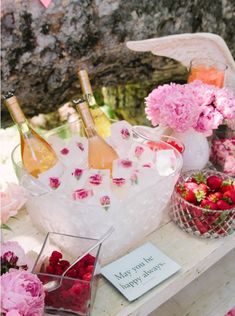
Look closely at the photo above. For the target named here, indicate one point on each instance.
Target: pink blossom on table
(64, 151)
(125, 133)
(81, 194)
(126, 163)
(139, 151)
(105, 201)
(54, 182)
(80, 146)
(13, 256)
(231, 312)
(96, 179)
(77, 173)
(12, 199)
(22, 292)
(119, 181)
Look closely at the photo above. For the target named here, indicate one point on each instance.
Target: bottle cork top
(14, 108)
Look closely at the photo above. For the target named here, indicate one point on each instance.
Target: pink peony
(12, 199)
(22, 292)
(197, 105)
(119, 182)
(95, 179)
(139, 151)
(105, 202)
(13, 256)
(64, 151)
(125, 133)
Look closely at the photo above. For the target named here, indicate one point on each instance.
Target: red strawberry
(195, 212)
(223, 205)
(226, 186)
(203, 227)
(229, 196)
(214, 197)
(203, 187)
(189, 196)
(214, 182)
(191, 185)
(87, 276)
(207, 204)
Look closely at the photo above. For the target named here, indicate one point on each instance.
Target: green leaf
(5, 226)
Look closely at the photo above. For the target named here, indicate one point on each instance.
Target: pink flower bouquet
(196, 105)
(22, 294)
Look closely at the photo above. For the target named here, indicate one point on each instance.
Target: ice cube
(98, 179)
(166, 162)
(141, 153)
(121, 137)
(123, 168)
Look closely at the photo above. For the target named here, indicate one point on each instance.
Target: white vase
(197, 150)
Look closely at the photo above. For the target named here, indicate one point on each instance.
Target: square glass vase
(77, 292)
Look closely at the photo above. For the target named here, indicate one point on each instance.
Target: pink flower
(64, 151)
(125, 133)
(95, 179)
(54, 182)
(231, 312)
(77, 173)
(13, 256)
(12, 199)
(139, 151)
(197, 105)
(22, 292)
(134, 178)
(13, 312)
(80, 146)
(119, 181)
(82, 194)
(125, 163)
(105, 202)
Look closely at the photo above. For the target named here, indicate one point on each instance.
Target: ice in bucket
(86, 202)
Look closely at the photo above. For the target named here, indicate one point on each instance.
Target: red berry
(191, 186)
(203, 227)
(64, 263)
(223, 205)
(72, 273)
(214, 182)
(195, 212)
(89, 259)
(207, 204)
(229, 196)
(214, 197)
(203, 187)
(226, 186)
(50, 269)
(90, 268)
(199, 178)
(87, 276)
(189, 196)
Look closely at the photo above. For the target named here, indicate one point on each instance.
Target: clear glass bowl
(136, 209)
(197, 220)
(77, 292)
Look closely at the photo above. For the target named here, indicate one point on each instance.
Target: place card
(139, 271)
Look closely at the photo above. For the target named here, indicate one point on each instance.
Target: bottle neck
(85, 114)
(15, 110)
(86, 88)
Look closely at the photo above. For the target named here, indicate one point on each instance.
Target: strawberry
(204, 188)
(195, 212)
(226, 186)
(191, 185)
(203, 227)
(214, 197)
(223, 205)
(229, 196)
(214, 182)
(199, 178)
(189, 196)
(207, 204)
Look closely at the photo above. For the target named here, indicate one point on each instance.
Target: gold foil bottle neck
(85, 114)
(85, 82)
(15, 110)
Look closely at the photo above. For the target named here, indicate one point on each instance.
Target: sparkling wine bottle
(101, 120)
(37, 155)
(100, 154)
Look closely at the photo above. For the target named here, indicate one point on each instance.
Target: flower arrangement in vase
(192, 111)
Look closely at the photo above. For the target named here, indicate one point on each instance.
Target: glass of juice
(208, 71)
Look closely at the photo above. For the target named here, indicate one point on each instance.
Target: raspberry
(50, 269)
(64, 263)
(89, 259)
(55, 257)
(72, 273)
(87, 276)
(90, 268)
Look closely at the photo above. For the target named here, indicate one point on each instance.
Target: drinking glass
(208, 71)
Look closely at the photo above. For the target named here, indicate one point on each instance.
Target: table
(195, 255)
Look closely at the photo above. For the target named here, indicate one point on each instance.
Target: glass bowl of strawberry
(76, 294)
(203, 203)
